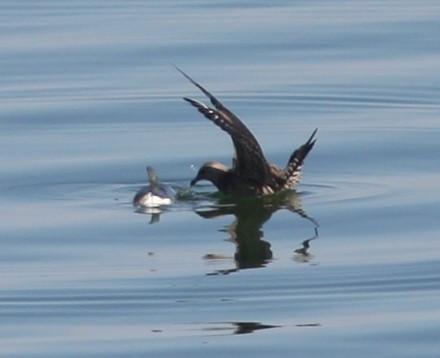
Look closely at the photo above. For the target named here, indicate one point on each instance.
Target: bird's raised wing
(153, 177)
(250, 164)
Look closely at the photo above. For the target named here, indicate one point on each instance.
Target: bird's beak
(194, 181)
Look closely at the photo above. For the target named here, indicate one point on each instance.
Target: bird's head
(214, 172)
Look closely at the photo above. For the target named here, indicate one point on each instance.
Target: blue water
(348, 265)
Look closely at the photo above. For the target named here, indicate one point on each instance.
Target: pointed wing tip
(311, 141)
(186, 76)
(208, 94)
(195, 103)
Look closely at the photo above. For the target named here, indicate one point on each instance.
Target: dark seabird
(251, 174)
(155, 194)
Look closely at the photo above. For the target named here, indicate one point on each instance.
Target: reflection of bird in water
(236, 327)
(302, 254)
(246, 230)
(150, 198)
(250, 327)
(250, 174)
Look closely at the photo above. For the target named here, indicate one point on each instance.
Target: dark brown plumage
(251, 174)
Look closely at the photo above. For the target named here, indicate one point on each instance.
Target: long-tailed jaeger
(250, 174)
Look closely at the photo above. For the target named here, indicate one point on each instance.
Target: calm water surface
(348, 265)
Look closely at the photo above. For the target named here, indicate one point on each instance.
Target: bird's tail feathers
(292, 172)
